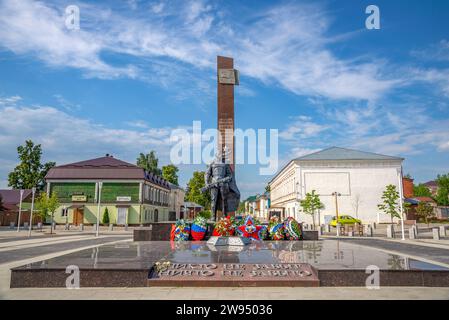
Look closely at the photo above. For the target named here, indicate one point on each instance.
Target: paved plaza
(16, 249)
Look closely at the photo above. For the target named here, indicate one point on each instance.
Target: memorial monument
(220, 175)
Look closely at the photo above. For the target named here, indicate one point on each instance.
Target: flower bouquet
(199, 227)
(292, 229)
(276, 228)
(224, 227)
(182, 231)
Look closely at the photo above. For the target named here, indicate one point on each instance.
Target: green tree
(149, 162)
(105, 219)
(311, 204)
(170, 173)
(241, 207)
(389, 203)
(193, 192)
(421, 190)
(206, 214)
(424, 210)
(267, 188)
(47, 206)
(442, 197)
(30, 172)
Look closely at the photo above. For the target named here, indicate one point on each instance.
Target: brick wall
(408, 187)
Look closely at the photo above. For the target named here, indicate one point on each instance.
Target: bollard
(328, 228)
(321, 230)
(436, 233)
(338, 229)
(411, 233)
(81, 227)
(415, 230)
(442, 231)
(12, 225)
(390, 231)
(126, 227)
(25, 225)
(369, 231)
(374, 225)
(350, 233)
(111, 227)
(39, 226)
(67, 226)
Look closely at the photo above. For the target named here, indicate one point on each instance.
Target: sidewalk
(6, 234)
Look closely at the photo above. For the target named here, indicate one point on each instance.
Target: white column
(401, 198)
(33, 190)
(20, 209)
(100, 185)
(140, 191)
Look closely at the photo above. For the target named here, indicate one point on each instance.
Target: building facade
(261, 207)
(131, 195)
(191, 209)
(11, 203)
(176, 204)
(351, 180)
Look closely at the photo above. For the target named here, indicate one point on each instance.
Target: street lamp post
(400, 202)
(33, 190)
(20, 209)
(100, 185)
(336, 194)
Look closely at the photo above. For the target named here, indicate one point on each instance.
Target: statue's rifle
(216, 184)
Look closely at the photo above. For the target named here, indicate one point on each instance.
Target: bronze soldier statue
(220, 180)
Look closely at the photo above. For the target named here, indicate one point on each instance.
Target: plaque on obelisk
(227, 78)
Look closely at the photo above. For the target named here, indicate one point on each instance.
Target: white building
(176, 202)
(261, 207)
(359, 179)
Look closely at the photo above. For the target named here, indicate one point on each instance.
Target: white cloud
(438, 77)
(33, 28)
(401, 128)
(439, 51)
(302, 128)
(285, 45)
(66, 138)
(158, 7)
(63, 102)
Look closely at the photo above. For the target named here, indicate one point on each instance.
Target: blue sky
(136, 70)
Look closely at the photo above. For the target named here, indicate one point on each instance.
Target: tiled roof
(424, 199)
(102, 162)
(337, 153)
(107, 168)
(188, 204)
(431, 183)
(13, 196)
(251, 199)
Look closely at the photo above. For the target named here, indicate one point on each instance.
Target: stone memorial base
(259, 263)
(235, 275)
(228, 241)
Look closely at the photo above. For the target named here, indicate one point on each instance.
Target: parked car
(344, 219)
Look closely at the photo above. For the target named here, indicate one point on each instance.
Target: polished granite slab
(129, 264)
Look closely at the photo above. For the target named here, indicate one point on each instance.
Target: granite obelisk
(227, 78)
